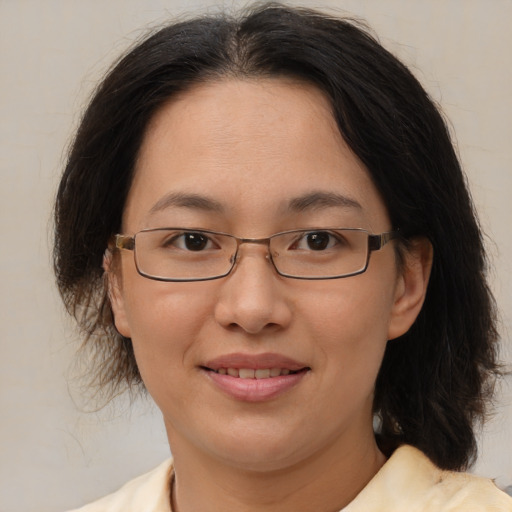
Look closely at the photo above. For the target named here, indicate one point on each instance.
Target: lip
(255, 361)
(254, 390)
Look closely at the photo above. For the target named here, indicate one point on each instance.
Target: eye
(190, 241)
(317, 241)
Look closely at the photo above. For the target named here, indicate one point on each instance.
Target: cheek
(164, 320)
(350, 326)
(351, 308)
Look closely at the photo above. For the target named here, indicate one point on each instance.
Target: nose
(253, 296)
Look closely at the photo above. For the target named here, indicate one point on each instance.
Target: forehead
(228, 118)
(251, 147)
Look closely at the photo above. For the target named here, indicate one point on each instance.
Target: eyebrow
(186, 200)
(310, 201)
(319, 200)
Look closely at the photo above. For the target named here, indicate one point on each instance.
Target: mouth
(255, 378)
(255, 373)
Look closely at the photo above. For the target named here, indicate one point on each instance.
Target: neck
(327, 481)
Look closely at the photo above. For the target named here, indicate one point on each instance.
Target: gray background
(55, 451)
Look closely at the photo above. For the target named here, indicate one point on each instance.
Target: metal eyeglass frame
(375, 243)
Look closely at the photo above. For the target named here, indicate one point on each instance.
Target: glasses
(180, 254)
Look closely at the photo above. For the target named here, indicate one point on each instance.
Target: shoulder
(409, 482)
(149, 492)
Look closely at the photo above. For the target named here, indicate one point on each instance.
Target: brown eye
(318, 241)
(195, 241)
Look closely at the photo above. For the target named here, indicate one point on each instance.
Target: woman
(263, 222)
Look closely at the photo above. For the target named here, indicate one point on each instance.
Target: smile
(255, 378)
(251, 373)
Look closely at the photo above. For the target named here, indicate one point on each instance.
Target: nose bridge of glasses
(251, 241)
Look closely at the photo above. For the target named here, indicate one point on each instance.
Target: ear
(114, 283)
(411, 286)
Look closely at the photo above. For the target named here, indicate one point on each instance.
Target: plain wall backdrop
(55, 453)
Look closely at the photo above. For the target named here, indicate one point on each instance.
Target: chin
(263, 449)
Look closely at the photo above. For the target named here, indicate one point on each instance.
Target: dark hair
(435, 379)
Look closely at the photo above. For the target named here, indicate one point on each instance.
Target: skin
(253, 146)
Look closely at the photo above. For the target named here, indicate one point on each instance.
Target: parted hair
(435, 380)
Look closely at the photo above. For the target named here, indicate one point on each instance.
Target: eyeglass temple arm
(377, 242)
(125, 242)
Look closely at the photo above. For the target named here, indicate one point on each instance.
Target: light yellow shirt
(408, 482)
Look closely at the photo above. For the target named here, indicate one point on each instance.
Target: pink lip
(255, 361)
(255, 390)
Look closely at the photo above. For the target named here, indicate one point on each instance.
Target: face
(262, 156)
